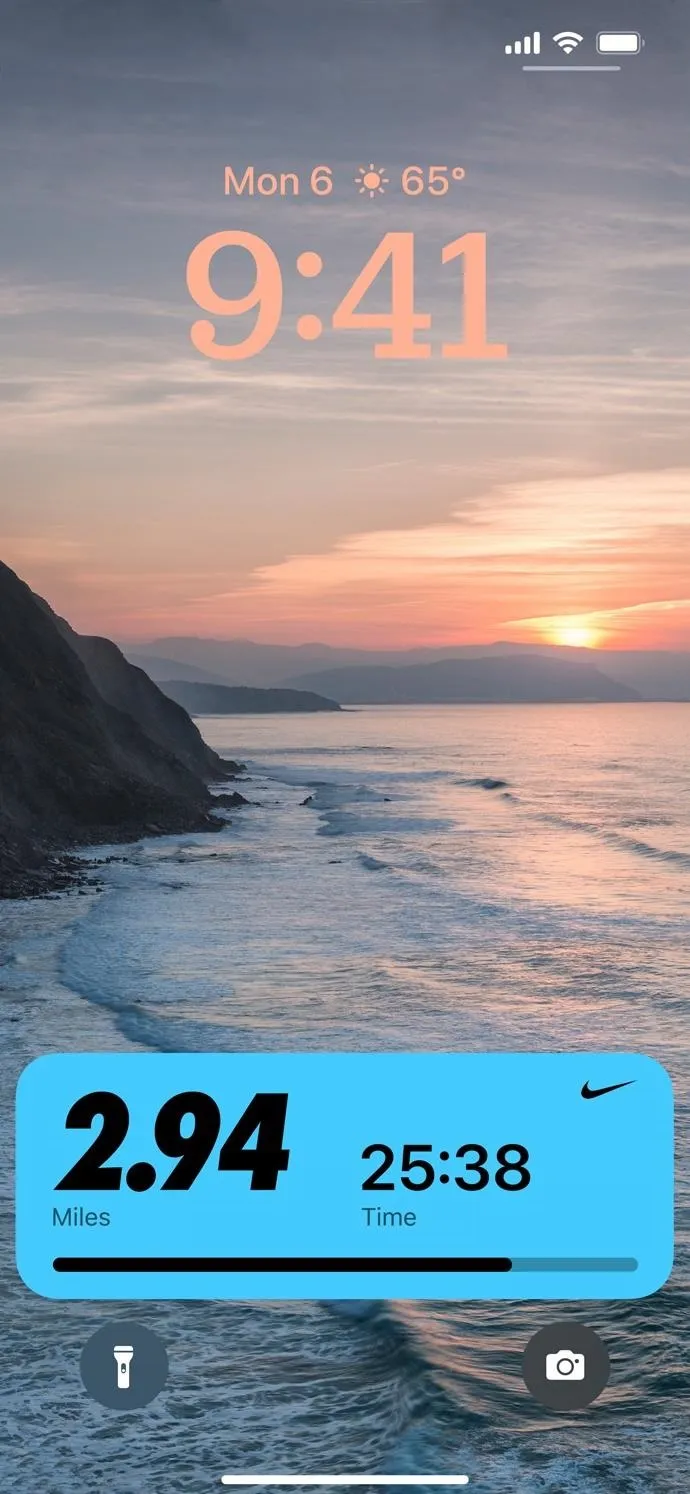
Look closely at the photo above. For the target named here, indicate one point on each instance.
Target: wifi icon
(568, 41)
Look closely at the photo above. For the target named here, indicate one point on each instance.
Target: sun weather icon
(371, 179)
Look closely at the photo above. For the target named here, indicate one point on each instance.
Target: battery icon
(619, 43)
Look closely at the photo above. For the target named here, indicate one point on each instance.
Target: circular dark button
(566, 1366)
(124, 1365)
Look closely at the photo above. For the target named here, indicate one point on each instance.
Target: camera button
(566, 1366)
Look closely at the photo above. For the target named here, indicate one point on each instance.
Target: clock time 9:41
(403, 322)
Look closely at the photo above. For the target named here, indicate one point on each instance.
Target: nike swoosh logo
(593, 1094)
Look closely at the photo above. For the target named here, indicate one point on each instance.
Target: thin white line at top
(572, 67)
(455, 1479)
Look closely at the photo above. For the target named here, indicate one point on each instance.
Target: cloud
(25, 299)
(612, 547)
(56, 402)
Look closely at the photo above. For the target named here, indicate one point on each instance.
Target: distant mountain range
(360, 676)
(161, 669)
(237, 700)
(524, 678)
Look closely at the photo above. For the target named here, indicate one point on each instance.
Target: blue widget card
(444, 1175)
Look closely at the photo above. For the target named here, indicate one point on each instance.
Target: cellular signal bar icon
(530, 46)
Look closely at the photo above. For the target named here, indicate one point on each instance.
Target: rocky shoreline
(31, 871)
(56, 874)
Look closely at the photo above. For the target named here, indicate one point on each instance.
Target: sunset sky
(314, 492)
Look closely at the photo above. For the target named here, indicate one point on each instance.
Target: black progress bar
(239, 1263)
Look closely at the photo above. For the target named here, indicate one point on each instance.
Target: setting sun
(575, 635)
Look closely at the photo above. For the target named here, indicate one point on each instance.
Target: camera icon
(566, 1379)
(565, 1365)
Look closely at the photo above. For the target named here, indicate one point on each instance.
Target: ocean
(488, 877)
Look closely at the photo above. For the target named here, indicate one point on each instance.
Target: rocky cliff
(90, 750)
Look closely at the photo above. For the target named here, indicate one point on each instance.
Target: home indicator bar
(402, 1480)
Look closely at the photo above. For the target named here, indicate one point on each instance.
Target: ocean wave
(655, 853)
(347, 793)
(280, 772)
(342, 822)
(339, 752)
(488, 783)
(352, 809)
(617, 840)
(647, 821)
(355, 1308)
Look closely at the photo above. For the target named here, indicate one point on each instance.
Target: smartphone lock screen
(344, 746)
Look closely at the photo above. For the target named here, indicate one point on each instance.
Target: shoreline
(38, 861)
(29, 869)
(46, 872)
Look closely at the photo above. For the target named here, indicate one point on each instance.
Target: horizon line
(386, 648)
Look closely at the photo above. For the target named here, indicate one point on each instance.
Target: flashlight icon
(123, 1355)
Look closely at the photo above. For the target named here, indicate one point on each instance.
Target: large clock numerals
(471, 248)
(266, 295)
(402, 319)
(395, 252)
